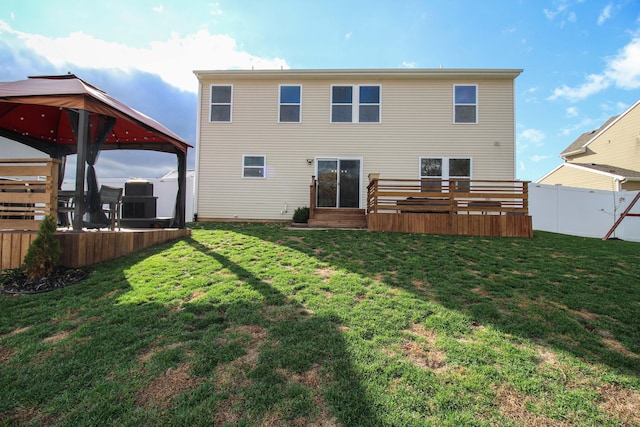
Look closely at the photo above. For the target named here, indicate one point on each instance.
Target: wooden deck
(456, 206)
(439, 223)
(81, 249)
(435, 206)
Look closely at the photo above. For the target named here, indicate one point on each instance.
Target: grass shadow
(298, 362)
(575, 294)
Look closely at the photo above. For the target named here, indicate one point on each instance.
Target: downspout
(198, 144)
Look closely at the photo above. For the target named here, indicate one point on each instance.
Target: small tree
(44, 253)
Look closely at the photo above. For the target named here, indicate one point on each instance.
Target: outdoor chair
(111, 201)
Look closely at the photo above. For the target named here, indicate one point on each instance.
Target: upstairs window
(290, 103)
(369, 111)
(221, 103)
(465, 104)
(341, 104)
(355, 104)
(253, 166)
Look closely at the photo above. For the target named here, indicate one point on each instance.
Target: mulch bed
(15, 282)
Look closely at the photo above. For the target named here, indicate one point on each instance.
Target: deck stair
(338, 218)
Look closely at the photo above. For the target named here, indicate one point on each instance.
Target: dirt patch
(514, 406)
(326, 273)
(481, 291)
(431, 359)
(15, 332)
(311, 378)
(195, 295)
(232, 377)
(419, 285)
(425, 358)
(163, 389)
(419, 330)
(57, 337)
(26, 415)
(621, 403)
(586, 315)
(617, 346)
(6, 354)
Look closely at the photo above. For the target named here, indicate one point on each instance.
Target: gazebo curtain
(99, 129)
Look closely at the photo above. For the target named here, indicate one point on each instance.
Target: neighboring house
(262, 135)
(607, 158)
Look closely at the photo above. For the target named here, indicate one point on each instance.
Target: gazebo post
(83, 136)
(179, 217)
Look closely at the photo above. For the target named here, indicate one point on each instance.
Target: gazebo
(62, 115)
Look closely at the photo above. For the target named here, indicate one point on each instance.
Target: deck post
(312, 197)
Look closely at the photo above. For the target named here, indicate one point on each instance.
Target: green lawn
(253, 324)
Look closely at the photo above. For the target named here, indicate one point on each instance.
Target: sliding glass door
(338, 183)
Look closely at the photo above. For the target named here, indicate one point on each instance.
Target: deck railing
(28, 192)
(459, 196)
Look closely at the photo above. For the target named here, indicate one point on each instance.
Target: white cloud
(406, 64)
(594, 84)
(605, 14)
(159, 9)
(552, 13)
(622, 71)
(215, 9)
(348, 36)
(572, 112)
(582, 126)
(534, 135)
(537, 158)
(173, 60)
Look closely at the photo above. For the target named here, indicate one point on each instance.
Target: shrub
(301, 215)
(44, 253)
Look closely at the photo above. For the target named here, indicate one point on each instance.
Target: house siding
(416, 120)
(618, 145)
(574, 177)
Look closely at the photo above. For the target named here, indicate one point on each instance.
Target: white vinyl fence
(583, 212)
(164, 188)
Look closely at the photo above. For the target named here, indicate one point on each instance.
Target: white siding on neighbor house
(416, 120)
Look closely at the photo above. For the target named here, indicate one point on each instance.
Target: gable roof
(579, 146)
(609, 170)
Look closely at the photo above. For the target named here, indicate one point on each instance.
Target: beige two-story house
(262, 135)
(607, 158)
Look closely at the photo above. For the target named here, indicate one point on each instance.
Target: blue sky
(581, 58)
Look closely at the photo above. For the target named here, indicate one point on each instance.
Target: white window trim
(264, 167)
(280, 103)
(230, 104)
(338, 158)
(454, 104)
(445, 167)
(355, 104)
